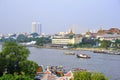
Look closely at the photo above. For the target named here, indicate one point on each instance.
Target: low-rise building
(66, 40)
(110, 37)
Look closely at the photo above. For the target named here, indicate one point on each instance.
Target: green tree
(87, 42)
(29, 67)
(40, 41)
(97, 41)
(117, 43)
(85, 75)
(21, 38)
(105, 44)
(15, 77)
(13, 57)
(71, 36)
(43, 40)
(34, 34)
(98, 76)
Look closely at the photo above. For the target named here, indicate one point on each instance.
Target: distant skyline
(58, 15)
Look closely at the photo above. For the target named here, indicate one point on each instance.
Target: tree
(21, 38)
(105, 44)
(15, 77)
(12, 59)
(98, 76)
(70, 36)
(34, 35)
(43, 40)
(117, 43)
(40, 41)
(85, 75)
(97, 42)
(29, 67)
(87, 42)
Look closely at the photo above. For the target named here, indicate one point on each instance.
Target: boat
(80, 55)
(69, 53)
(99, 51)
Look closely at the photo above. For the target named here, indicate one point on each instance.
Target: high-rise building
(39, 28)
(36, 27)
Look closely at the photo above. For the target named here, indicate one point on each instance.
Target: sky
(59, 15)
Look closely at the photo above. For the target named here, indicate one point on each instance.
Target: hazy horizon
(59, 15)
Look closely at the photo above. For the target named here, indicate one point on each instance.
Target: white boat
(69, 53)
(80, 55)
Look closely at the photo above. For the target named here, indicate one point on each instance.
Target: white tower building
(36, 27)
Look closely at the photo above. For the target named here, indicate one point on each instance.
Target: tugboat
(80, 55)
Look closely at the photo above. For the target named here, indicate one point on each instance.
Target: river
(105, 63)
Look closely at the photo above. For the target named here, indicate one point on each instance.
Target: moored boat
(69, 53)
(80, 55)
(99, 51)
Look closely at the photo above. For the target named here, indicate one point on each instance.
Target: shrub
(15, 77)
(85, 75)
(98, 76)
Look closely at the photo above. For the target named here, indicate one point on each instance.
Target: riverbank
(101, 50)
(95, 50)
